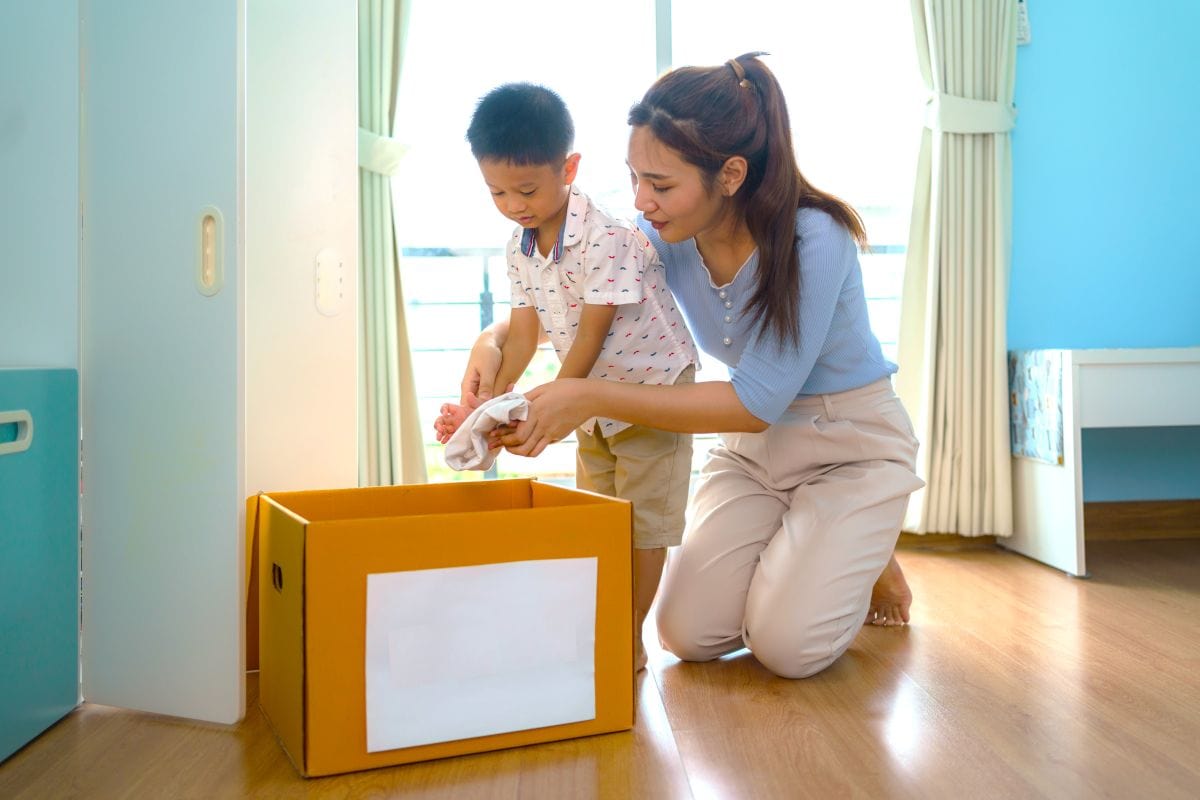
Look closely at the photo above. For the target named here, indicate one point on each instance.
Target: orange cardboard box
(347, 669)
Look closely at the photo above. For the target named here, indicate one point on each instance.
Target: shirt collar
(570, 233)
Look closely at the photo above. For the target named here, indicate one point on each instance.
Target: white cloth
(467, 448)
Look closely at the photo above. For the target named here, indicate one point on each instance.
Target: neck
(547, 232)
(725, 247)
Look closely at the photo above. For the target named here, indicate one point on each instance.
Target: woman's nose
(641, 199)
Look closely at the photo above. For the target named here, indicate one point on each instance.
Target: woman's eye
(659, 188)
(527, 194)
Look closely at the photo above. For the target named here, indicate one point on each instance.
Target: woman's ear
(570, 169)
(732, 175)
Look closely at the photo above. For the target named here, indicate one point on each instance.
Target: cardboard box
(429, 613)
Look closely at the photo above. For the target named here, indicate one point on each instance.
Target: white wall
(301, 199)
(39, 184)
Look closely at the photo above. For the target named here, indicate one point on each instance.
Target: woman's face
(668, 191)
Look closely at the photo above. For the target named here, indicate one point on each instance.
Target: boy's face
(533, 196)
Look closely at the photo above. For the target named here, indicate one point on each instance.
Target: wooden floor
(1013, 681)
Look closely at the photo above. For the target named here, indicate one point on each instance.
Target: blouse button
(727, 341)
(728, 318)
(721, 294)
(729, 304)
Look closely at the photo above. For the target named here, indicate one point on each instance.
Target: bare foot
(451, 416)
(890, 597)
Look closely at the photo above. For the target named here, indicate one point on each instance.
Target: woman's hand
(478, 383)
(555, 409)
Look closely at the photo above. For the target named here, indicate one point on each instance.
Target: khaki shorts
(648, 467)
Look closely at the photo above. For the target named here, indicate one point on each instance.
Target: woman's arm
(479, 380)
(558, 408)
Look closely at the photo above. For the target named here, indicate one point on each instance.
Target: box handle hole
(277, 577)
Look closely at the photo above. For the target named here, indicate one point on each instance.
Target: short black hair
(521, 123)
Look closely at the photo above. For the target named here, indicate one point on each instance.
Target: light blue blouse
(837, 349)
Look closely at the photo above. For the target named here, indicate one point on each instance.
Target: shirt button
(729, 304)
(727, 341)
(728, 318)
(721, 294)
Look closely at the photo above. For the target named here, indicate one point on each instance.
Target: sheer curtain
(953, 373)
(390, 448)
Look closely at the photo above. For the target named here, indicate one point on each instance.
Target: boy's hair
(523, 124)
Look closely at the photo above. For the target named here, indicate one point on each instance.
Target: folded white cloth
(467, 448)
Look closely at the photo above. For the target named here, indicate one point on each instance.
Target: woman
(791, 530)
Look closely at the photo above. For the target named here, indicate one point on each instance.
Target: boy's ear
(570, 169)
(732, 175)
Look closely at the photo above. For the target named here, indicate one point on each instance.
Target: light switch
(329, 282)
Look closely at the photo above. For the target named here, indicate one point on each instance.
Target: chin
(670, 235)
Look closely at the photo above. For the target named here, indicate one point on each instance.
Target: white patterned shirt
(603, 260)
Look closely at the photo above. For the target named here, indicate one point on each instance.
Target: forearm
(513, 365)
(594, 325)
(520, 343)
(707, 407)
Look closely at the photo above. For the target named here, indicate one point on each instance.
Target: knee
(798, 653)
(680, 634)
(787, 663)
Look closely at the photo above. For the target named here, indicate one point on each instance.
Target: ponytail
(710, 114)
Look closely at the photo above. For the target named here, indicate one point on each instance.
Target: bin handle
(24, 431)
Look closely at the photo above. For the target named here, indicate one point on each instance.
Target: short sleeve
(517, 282)
(614, 263)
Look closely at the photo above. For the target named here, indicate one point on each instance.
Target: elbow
(756, 425)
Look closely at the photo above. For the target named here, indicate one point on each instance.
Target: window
(854, 94)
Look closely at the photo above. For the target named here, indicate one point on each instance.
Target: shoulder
(597, 216)
(819, 234)
(813, 223)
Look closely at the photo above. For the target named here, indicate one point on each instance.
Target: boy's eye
(527, 194)
(659, 188)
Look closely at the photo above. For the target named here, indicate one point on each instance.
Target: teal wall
(39, 184)
(1106, 208)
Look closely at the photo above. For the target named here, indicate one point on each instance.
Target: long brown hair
(710, 114)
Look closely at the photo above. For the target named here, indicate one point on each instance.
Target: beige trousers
(788, 531)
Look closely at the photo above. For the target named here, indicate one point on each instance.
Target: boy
(595, 288)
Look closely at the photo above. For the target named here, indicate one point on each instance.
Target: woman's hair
(708, 115)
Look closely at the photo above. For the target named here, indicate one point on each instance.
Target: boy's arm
(594, 324)
(519, 346)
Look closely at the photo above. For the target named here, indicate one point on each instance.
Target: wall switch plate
(329, 282)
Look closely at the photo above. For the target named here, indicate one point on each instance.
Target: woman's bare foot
(890, 597)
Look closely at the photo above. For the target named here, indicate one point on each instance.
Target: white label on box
(472, 651)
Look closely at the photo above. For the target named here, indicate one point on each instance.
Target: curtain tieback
(950, 113)
(380, 154)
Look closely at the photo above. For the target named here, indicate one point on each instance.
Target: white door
(161, 363)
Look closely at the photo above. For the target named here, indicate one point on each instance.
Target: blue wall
(39, 184)
(1106, 210)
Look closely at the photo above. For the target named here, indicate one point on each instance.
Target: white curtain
(390, 442)
(953, 374)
